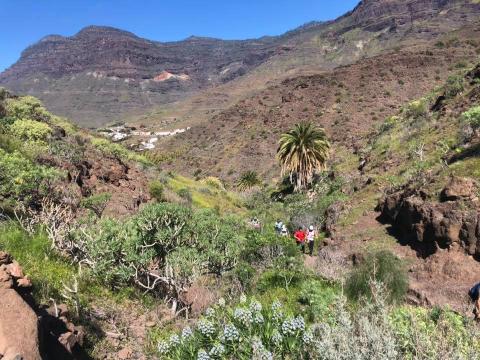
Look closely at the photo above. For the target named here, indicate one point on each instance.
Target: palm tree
(248, 180)
(302, 151)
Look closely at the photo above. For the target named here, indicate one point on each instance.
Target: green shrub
(185, 194)
(21, 179)
(31, 130)
(318, 297)
(117, 150)
(213, 182)
(248, 180)
(389, 123)
(472, 117)
(416, 109)
(454, 86)
(384, 267)
(26, 108)
(97, 203)
(156, 190)
(179, 242)
(434, 334)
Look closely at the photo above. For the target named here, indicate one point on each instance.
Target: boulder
(433, 224)
(19, 334)
(459, 189)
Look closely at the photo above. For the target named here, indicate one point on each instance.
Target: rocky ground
(27, 330)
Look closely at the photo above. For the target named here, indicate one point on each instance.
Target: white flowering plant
(251, 330)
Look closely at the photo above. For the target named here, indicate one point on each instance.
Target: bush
(434, 334)
(416, 109)
(365, 335)
(389, 123)
(454, 86)
(21, 179)
(472, 117)
(249, 331)
(185, 194)
(156, 190)
(213, 182)
(97, 203)
(163, 248)
(31, 130)
(26, 108)
(384, 267)
(248, 180)
(318, 297)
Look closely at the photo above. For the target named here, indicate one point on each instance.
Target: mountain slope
(349, 102)
(103, 74)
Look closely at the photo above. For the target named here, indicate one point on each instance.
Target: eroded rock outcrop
(28, 332)
(454, 222)
(19, 325)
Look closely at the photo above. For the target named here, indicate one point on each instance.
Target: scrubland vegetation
(271, 304)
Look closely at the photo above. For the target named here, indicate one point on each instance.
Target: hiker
(278, 227)
(299, 236)
(474, 294)
(284, 231)
(311, 239)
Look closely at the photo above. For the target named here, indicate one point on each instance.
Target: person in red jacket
(299, 236)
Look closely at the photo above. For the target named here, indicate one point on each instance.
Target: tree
(302, 151)
(248, 180)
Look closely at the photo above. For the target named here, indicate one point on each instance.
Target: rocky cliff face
(116, 53)
(102, 74)
(431, 225)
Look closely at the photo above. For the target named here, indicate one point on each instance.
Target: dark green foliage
(454, 86)
(248, 180)
(97, 203)
(21, 179)
(179, 242)
(384, 267)
(185, 194)
(156, 190)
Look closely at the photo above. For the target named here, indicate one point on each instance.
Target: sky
(24, 22)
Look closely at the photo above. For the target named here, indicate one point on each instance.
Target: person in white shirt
(311, 239)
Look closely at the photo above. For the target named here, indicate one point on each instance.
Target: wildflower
(202, 355)
(243, 298)
(243, 316)
(217, 350)
(255, 306)
(259, 351)
(258, 318)
(291, 326)
(277, 314)
(277, 338)
(221, 302)
(230, 333)
(206, 327)
(210, 312)
(276, 305)
(174, 339)
(307, 337)
(163, 347)
(187, 332)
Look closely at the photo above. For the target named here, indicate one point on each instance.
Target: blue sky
(26, 21)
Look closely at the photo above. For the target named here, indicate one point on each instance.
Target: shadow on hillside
(472, 151)
(422, 249)
(50, 346)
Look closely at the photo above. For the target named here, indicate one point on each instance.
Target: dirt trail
(442, 279)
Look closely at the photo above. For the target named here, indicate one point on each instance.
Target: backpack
(474, 292)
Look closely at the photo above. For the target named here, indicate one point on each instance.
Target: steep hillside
(102, 74)
(349, 102)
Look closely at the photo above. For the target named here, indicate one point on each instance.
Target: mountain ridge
(59, 70)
